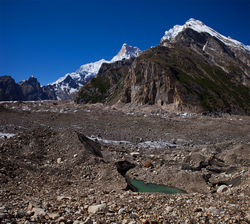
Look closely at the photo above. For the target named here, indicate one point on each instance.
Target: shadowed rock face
(124, 166)
(9, 90)
(90, 145)
(26, 90)
(32, 90)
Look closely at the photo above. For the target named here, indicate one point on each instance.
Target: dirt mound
(43, 146)
(48, 160)
(237, 155)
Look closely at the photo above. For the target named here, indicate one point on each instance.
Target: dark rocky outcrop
(32, 90)
(92, 147)
(29, 89)
(108, 85)
(9, 90)
(49, 92)
(124, 166)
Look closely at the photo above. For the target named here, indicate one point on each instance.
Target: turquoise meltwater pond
(140, 186)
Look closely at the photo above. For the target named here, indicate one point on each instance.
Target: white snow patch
(92, 67)
(146, 144)
(204, 47)
(72, 90)
(156, 144)
(6, 135)
(1, 102)
(109, 141)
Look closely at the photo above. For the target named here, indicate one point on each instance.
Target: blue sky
(49, 38)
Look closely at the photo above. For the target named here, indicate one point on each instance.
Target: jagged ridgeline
(66, 87)
(195, 69)
(108, 85)
(29, 89)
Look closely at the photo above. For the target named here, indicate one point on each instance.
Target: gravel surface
(65, 163)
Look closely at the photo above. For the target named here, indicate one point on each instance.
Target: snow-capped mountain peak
(92, 67)
(200, 27)
(70, 83)
(86, 70)
(126, 52)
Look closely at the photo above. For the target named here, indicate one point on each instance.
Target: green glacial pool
(140, 186)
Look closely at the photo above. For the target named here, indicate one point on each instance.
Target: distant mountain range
(194, 68)
(29, 89)
(66, 87)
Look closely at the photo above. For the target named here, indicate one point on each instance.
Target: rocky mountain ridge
(27, 90)
(189, 70)
(66, 87)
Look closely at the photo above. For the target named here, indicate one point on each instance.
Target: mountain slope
(67, 86)
(109, 82)
(184, 80)
(189, 70)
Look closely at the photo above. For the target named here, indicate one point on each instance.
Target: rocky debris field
(67, 163)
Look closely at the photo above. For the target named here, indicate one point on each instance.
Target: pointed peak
(32, 77)
(200, 27)
(194, 21)
(125, 46)
(126, 52)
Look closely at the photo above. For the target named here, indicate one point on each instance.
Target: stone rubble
(50, 173)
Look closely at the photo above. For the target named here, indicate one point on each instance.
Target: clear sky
(49, 38)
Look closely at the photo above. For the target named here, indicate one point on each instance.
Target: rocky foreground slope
(194, 68)
(50, 172)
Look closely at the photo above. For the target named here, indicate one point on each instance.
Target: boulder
(93, 209)
(38, 212)
(148, 164)
(222, 188)
(195, 162)
(124, 166)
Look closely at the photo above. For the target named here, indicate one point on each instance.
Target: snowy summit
(72, 82)
(87, 70)
(126, 52)
(200, 27)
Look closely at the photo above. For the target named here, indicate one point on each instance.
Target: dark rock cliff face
(32, 90)
(195, 72)
(49, 92)
(180, 77)
(26, 90)
(9, 90)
